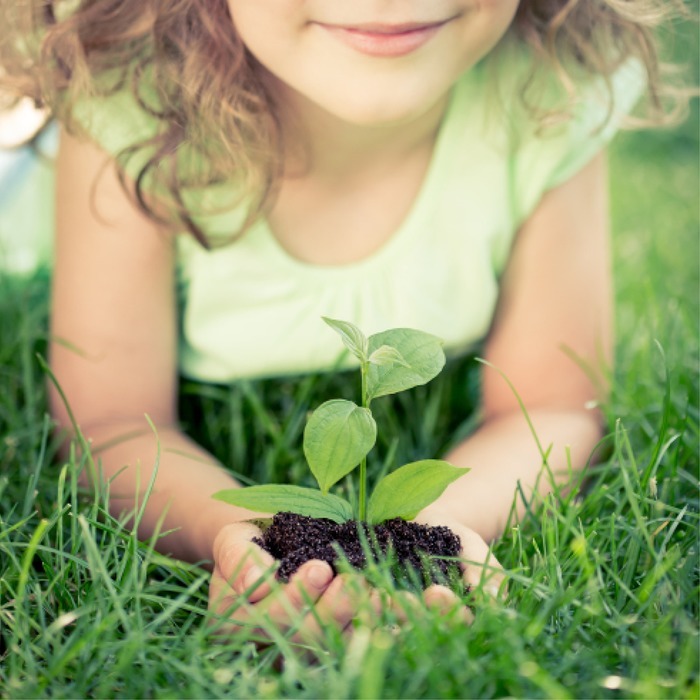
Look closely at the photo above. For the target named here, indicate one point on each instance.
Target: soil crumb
(294, 539)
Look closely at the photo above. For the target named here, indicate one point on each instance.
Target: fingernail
(442, 601)
(252, 578)
(492, 591)
(319, 576)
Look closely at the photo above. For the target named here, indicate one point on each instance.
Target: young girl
(436, 164)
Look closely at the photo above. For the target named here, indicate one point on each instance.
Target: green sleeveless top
(249, 309)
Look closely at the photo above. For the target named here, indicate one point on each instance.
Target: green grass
(603, 582)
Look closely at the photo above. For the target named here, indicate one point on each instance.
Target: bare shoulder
(553, 330)
(113, 327)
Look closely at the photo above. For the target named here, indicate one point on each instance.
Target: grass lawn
(603, 583)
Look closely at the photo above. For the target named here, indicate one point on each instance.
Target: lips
(385, 40)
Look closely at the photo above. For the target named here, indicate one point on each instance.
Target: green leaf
(275, 498)
(422, 355)
(338, 435)
(354, 339)
(409, 489)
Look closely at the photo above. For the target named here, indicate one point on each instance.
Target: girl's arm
(113, 352)
(555, 306)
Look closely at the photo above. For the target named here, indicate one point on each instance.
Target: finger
(440, 598)
(283, 609)
(222, 606)
(286, 606)
(443, 601)
(406, 606)
(482, 569)
(336, 609)
(370, 612)
(403, 606)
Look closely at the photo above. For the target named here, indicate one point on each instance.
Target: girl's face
(369, 62)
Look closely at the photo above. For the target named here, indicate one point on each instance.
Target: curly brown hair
(209, 94)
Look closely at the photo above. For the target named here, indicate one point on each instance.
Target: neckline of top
(410, 226)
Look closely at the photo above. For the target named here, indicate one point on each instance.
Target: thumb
(244, 565)
(482, 569)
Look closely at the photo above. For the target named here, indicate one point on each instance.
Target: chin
(379, 112)
(374, 117)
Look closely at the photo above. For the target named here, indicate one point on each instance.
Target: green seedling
(339, 434)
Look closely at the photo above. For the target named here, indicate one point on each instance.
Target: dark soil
(419, 551)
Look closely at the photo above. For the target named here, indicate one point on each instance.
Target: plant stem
(363, 490)
(362, 498)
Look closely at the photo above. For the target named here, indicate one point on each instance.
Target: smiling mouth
(385, 40)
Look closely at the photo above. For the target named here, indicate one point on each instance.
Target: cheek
(503, 11)
(268, 28)
(267, 16)
(499, 12)
(496, 17)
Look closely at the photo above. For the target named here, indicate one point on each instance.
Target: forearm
(503, 453)
(126, 455)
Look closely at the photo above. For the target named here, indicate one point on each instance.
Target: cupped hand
(244, 595)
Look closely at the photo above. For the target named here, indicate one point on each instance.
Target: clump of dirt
(294, 539)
